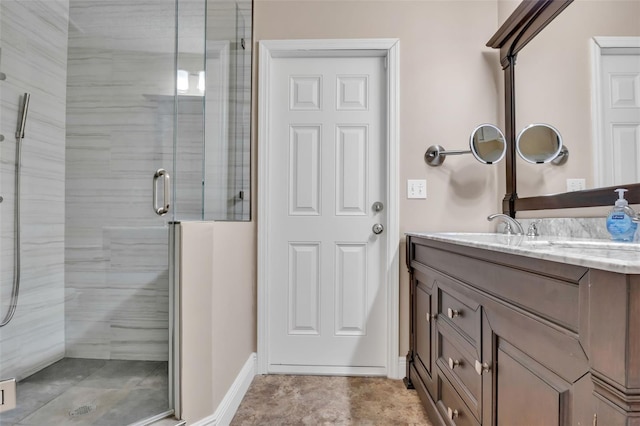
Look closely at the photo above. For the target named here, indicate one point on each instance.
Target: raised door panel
(528, 393)
(304, 288)
(304, 169)
(351, 290)
(351, 170)
(423, 333)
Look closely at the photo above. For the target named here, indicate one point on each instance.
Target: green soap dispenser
(620, 222)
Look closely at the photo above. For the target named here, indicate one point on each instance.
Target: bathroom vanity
(510, 330)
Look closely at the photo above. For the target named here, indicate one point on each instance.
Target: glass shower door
(92, 322)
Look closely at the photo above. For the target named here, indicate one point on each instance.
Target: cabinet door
(424, 350)
(526, 392)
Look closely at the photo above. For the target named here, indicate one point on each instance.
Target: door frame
(599, 47)
(389, 49)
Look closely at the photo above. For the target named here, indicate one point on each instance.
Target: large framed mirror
(560, 79)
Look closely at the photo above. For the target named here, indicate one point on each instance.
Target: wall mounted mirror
(556, 83)
(486, 143)
(561, 76)
(539, 143)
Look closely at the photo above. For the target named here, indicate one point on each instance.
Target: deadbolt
(378, 228)
(378, 206)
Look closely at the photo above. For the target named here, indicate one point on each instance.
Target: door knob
(378, 228)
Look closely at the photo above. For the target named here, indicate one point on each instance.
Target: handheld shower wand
(22, 118)
(15, 291)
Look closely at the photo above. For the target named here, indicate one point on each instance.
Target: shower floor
(78, 391)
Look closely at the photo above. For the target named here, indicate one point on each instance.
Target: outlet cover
(417, 188)
(576, 185)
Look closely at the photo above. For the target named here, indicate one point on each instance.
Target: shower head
(22, 117)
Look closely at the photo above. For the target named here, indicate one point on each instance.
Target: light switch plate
(576, 185)
(417, 188)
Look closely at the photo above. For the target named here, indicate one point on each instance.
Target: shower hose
(15, 291)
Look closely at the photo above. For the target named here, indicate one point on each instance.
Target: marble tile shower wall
(119, 131)
(33, 55)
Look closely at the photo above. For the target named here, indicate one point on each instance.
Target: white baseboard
(231, 401)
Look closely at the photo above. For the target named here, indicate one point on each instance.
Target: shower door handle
(161, 173)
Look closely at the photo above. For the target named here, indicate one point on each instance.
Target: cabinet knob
(482, 367)
(453, 363)
(452, 413)
(429, 316)
(452, 313)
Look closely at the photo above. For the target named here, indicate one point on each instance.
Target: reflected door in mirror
(618, 142)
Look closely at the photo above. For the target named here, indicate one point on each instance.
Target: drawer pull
(453, 363)
(482, 367)
(429, 317)
(452, 413)
(452, 313)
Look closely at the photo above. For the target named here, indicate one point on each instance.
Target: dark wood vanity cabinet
(502, 339)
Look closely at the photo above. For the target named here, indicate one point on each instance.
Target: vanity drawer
(452, 407)
(459, 365)
(462, 313)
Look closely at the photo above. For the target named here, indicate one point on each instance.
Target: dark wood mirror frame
(529, 18)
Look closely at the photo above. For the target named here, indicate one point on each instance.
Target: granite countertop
(591, 253)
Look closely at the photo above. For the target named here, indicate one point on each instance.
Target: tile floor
(76, 391)
(320, 400)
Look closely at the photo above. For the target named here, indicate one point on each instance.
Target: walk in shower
(117, 90)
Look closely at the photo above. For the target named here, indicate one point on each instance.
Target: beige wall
(196, 295)
(449, 83)
(217, 265)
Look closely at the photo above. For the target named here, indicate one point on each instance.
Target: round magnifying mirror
(539, 143)
(487, 144)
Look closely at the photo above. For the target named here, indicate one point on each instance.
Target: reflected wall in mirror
(539, 143)
(554, 85)
(488, 144)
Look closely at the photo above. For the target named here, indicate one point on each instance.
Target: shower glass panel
(89, 342)
(227, 157)
(214, 109)
(118, 89)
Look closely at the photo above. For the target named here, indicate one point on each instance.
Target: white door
(327, 299)
(619, 151)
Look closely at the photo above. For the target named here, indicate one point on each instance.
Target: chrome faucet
(510, 222)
